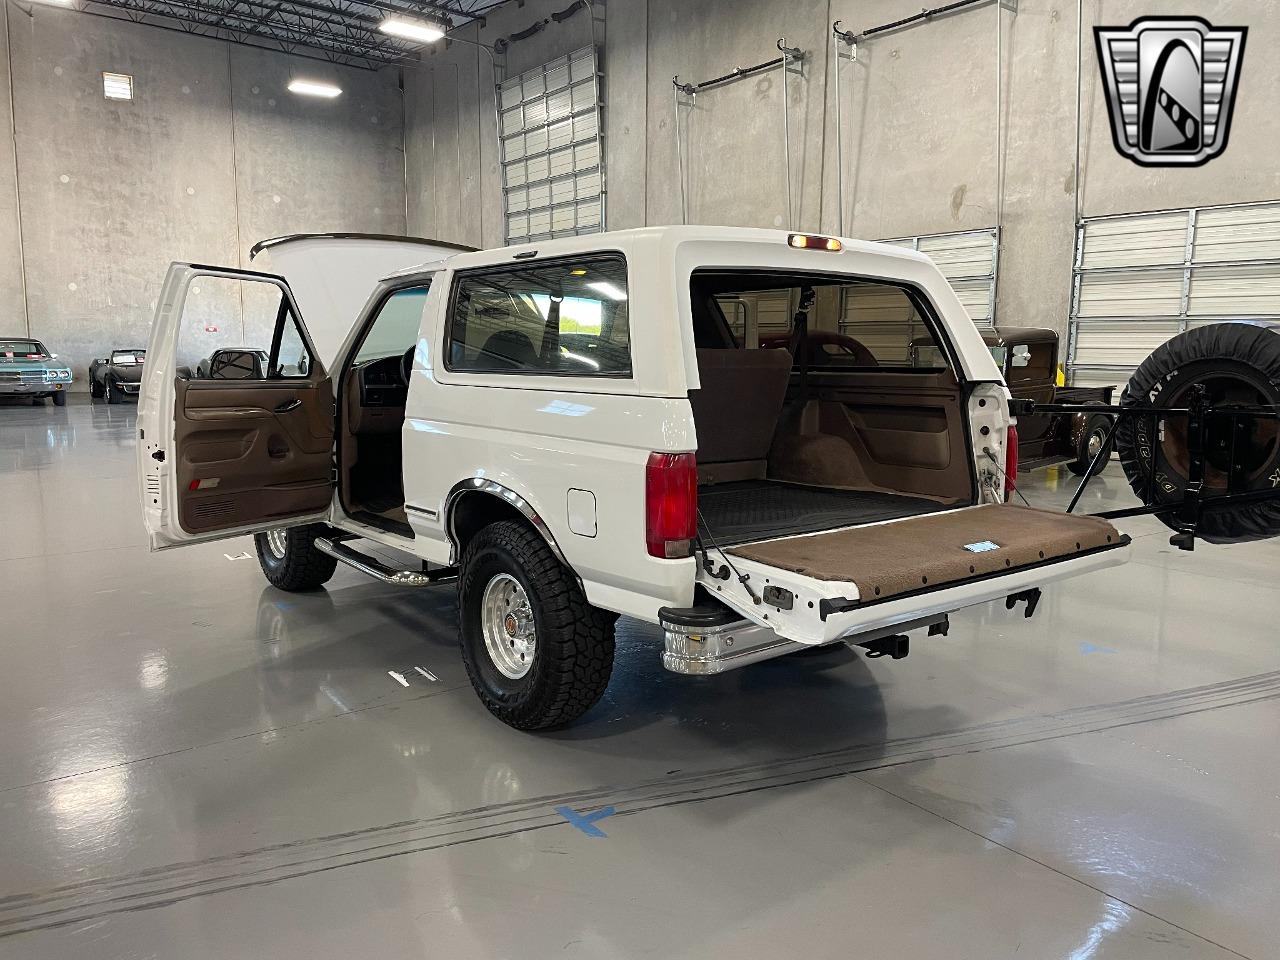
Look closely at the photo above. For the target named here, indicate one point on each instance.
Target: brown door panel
(907, 430)
(253, 451)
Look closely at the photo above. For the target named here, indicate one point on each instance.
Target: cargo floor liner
(759, 509)
(944, 549)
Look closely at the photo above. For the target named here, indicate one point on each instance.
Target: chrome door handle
(288, 405)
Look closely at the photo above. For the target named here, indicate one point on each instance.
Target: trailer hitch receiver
(896, 646)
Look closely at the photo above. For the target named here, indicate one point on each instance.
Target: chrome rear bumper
(703, 645)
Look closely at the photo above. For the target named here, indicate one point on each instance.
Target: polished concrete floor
(193, 764)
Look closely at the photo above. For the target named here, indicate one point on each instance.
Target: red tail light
(671, 504)
(1010, 461)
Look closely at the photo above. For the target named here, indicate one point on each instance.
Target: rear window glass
(849, 323)
(567, 317)
(127, 357)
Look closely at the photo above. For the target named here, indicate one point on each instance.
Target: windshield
(126, 357)
(22, 350)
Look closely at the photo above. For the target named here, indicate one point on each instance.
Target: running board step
(336, 548)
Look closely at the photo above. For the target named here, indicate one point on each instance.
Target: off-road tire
(302, 567)
(1097, 424)
(60, 398)
(1239, 357)
(573, 657)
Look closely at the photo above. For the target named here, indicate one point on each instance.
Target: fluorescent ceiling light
(608, 289)
(312, 88)
(58, 3)
(424, 31)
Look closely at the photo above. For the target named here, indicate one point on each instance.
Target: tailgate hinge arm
(1032, 597)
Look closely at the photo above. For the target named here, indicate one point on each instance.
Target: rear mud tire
(573, 641)
(1238, 363)
(290, 560)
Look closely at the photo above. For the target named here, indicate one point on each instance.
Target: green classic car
(27, 369)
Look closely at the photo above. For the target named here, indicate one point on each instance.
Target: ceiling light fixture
(313, 88)
(608, 289)
(423, 31)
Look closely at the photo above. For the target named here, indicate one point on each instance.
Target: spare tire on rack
(1239, 365)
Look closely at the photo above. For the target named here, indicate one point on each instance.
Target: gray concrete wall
(212, 155)
(919, 125)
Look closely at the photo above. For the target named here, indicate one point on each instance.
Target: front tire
(537, 653)
(290, 560)
(95, 389)
(109, 392)
(60, 398)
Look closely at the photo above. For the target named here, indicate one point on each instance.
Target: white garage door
(549, 129)
(969, 261)
(1142, 278)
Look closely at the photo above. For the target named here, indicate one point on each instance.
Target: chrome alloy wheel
(506, 618)
(1094, 446)
(278, 542)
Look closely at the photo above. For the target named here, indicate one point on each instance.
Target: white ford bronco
(763, 442)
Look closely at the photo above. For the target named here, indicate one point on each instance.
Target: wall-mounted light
(314, 88)
(423, 31)
(117, 86)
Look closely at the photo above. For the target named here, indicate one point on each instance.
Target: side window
(240, 329)
(290, 358)
(395, 329)
(885, 321)
(566, 318)
(1029, 362)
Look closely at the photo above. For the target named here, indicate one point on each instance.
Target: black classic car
(118, 376)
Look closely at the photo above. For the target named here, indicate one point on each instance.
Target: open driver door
(220, 457)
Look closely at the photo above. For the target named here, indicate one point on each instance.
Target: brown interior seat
(736, 410)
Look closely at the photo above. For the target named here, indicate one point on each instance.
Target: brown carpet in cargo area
(922, 553)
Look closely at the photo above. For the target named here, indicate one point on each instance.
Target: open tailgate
(825, 586)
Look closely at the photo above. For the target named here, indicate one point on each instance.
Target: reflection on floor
(193, 764)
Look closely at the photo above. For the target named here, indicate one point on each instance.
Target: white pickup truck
(588, 427)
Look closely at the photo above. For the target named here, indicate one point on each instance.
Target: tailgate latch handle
(1032, 597)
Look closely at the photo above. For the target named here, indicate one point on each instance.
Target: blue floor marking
(586, 822)
(1094, 648)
